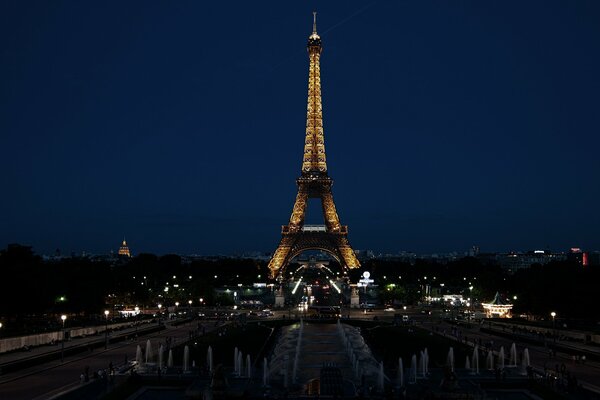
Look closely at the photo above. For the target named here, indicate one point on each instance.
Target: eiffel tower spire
(314, 144)
(314, 183)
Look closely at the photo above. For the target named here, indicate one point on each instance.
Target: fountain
(526, 362)
(138, 356)
(160, 356)
(513, 355)
(489, 362)
(248, 367)
(475, 361)
(235, 361)
(426, 361)
(501, 357)
(299, 344)
(148, 352)
(412, 376)
(209, 359)
(186, 358)
(170, 359)
(400, 372)
(467, 364)
(265, 372)
(240, 363)
(380, 378)
(422, 363)
(450, 359)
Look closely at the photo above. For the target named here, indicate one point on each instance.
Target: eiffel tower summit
(314, 182)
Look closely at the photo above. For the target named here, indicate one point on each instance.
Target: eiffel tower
(314, 182)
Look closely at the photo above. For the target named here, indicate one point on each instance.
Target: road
(45, 380)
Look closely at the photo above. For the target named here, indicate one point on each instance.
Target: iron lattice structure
(314, 182)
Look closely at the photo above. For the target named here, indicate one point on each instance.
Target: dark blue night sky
(181, 124)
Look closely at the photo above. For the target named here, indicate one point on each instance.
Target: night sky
(180, 125)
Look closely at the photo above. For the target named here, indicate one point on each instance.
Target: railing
(314, 228)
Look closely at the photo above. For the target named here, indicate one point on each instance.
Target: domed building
(124, 250)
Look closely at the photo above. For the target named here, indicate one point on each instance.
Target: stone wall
(40, 339)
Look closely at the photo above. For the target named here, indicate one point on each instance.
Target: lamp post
(553, 315)
(0, 325)
(159, 312)
(62, 347)
(106, 312)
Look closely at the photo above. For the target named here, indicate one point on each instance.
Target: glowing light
(296, 286)
(335, 286)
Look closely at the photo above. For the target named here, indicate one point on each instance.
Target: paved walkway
(45, 350)
(46, 380)
(588, 374)
(321, 344)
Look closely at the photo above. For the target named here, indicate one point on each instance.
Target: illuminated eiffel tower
(314, 183)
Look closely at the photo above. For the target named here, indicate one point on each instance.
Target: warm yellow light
(63, 317)
(106, 312)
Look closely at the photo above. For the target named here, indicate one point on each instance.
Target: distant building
(512, 262)
(578, 256)
(124, 250)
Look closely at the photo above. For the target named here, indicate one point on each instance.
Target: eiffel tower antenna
(313, 182)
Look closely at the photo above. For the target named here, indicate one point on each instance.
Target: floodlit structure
(314, 182)
(124, 250)
(498, 308)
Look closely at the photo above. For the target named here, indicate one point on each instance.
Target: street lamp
(137, 311)
(553, 315)
(62, 347)
(106, 312)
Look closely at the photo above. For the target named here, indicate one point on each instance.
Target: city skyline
(473, 127)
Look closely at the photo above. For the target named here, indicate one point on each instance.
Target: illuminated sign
(365, 280)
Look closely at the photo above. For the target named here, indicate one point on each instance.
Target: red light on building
(584, 260)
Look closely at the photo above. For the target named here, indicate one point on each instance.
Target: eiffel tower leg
(348, 254)
(299, 210)
(280, 257)
(330, 213)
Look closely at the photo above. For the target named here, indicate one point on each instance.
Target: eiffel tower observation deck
(314, 182)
